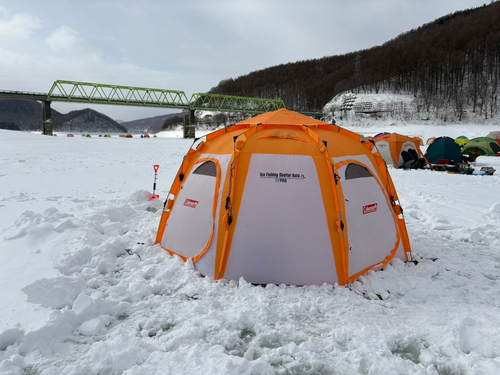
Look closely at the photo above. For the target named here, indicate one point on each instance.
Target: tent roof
(494, 134)
(396, 137)
(282, 117)
(483, 139)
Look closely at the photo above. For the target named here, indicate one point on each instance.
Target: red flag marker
(156, 167)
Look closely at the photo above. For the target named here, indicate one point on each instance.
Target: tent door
(370, 224)
(190, 229)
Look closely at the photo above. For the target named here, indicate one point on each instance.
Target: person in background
(414, 154)
(474, 154)
(408, 159)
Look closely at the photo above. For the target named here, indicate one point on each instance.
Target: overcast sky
(188, 45)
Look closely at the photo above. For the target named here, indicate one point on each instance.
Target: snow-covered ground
(84, 289)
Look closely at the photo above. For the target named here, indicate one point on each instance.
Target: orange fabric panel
(278, 145)
(282, 117)
(335, 213)
(169, 205)
(161, 227)
(229, 129)
(183, 170)
(381, 264)
(237, 185)
(343, 145)
(220, 263)
(222, 234)
(283, 134)
(223, 145)
(200, 146)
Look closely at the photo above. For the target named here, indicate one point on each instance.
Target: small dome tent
(486, 146)
(381, 134)
(461, 140)
(390, 147)
(284, 198)
(444, 148)
(495, 135)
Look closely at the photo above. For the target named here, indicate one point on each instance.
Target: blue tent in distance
(444, 148)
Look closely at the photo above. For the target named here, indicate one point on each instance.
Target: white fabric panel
(385, 151)
(206, 264)
(281, 233)
(363, 159)
(370, 224)
(191, 221)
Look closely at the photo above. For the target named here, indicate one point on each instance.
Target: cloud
(20, 25)
(189, 45)
(65, 39)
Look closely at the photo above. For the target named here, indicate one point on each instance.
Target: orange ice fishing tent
(390, 147)
(284, 198)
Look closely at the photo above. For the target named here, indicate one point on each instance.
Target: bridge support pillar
(47, 118)
(189, 123)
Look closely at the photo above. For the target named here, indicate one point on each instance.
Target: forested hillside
(453, 61)
(22, 115)
(153, 124)
(87, 120)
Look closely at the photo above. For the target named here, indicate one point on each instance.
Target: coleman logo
(191, 203)
(370, 208)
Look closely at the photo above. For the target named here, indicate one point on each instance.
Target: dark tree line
(207, 120)
(172, 122)
(455, 58)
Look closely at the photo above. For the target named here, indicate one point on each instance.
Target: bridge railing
(214, 102)
(72, 91)
(85, 92)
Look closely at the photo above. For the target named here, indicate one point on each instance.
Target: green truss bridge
(96, 93)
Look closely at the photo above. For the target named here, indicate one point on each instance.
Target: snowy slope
(86, 291)
(385, 108)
